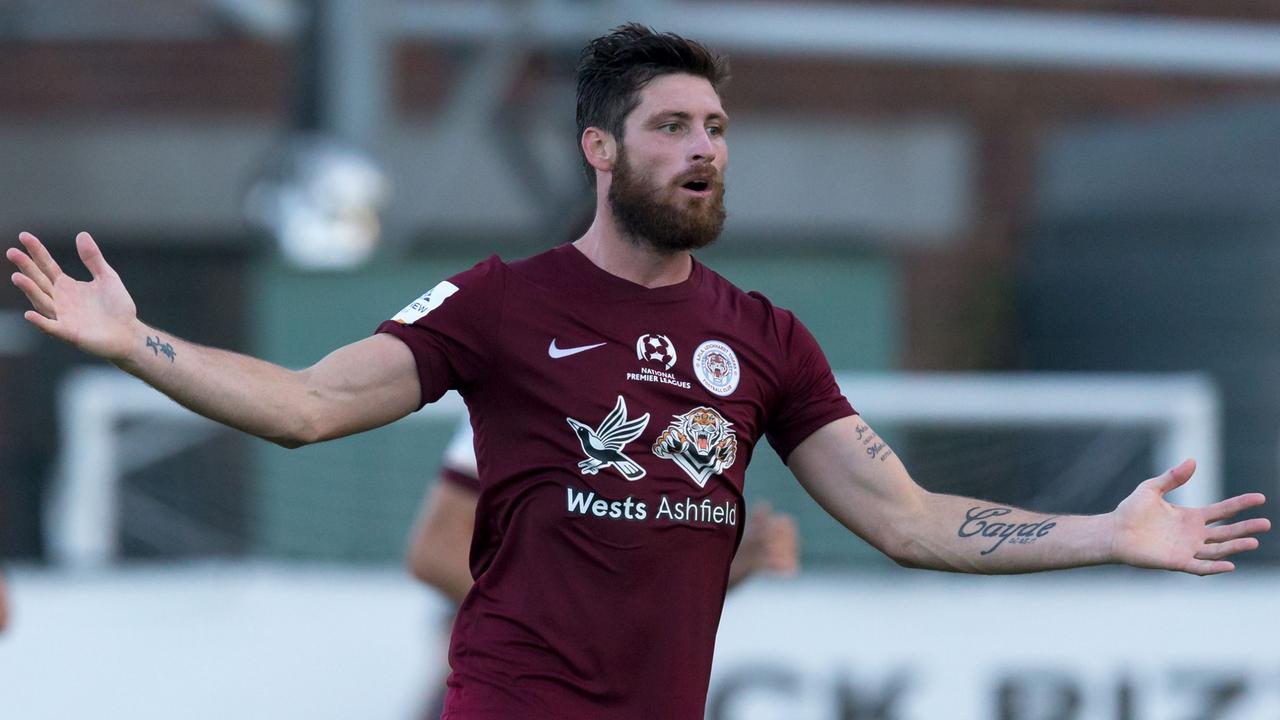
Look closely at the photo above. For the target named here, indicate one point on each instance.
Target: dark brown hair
(613, 69)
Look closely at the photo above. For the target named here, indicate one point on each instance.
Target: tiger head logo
(717, 366)
(701, 442)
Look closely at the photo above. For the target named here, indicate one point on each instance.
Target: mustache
(707, 174)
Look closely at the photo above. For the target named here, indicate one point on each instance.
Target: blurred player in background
(441, 542)
(612, 495)
(4, 604)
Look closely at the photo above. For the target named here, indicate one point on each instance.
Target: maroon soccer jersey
(613, 426)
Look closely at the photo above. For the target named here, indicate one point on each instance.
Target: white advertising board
(251, 642)
(1096, 645)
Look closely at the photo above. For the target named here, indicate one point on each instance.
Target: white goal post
(82, 514)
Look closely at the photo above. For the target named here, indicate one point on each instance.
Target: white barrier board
(283, 642)
(1096, 645)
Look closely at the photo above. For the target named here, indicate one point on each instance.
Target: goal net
(140, 476)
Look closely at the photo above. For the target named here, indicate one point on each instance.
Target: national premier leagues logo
(701, 442)
(657, 355)
(656, 349)
(603, 445)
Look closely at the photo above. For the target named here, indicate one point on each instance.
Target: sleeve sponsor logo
(429, 301)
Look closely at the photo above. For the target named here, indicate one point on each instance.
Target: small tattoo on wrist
(977, 522)
(158, 348)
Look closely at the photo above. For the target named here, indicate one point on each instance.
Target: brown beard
(647, 216)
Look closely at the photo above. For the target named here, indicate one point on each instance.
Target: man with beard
(617, 390)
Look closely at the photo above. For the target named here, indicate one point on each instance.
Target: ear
(600, 148)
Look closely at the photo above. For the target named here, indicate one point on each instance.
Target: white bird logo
(604, 444)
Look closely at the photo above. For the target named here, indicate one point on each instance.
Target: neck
(635, 260)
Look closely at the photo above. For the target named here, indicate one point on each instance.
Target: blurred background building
(946, 185)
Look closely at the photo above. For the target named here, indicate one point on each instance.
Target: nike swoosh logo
(558, 352)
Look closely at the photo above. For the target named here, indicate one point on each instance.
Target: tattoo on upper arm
(158, 348)
(977, 523)
(875, 447)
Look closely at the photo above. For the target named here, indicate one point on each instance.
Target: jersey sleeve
(452, 329)
(809, 397)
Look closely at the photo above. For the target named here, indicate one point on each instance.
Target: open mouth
(697, 187)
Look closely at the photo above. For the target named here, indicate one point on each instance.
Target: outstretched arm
(872, 495)
(355, 388)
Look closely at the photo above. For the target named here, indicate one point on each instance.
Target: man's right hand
(97, 317)
(357, 387)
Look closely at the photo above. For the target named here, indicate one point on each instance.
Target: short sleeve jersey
(613, 426)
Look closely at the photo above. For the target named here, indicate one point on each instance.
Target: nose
(702, 147)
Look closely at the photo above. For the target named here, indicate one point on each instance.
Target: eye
(670, 128)
(715, 131)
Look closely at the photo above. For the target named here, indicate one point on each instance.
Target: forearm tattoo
(977, 523)
(875, 447)
(161, 348)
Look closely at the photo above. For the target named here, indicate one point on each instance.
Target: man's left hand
(1150, 532)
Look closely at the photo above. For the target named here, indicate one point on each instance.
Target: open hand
(1152, 533)
(96, 316)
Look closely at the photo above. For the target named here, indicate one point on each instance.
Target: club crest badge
(716, 367)
(701, 442)
(603, 445)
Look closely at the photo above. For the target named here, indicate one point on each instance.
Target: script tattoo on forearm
(161, 348)
(874, 446)
(977, 523)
